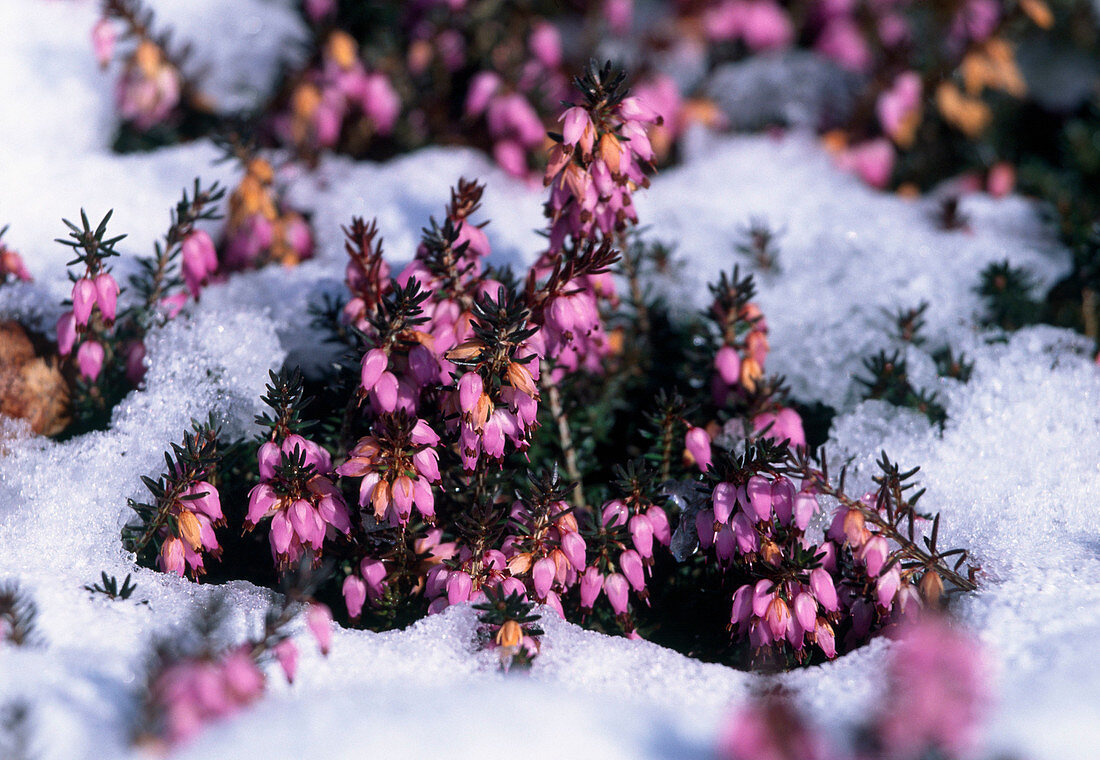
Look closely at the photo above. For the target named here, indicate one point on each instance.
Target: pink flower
(697, 442)
(759, 492)
(937, 693)
(545, 44)
(542, 576)
(319, 622)
(66, 333)
(617, 589)
(591, 584)
(84, 298)
(842, 41)
(482, 87)
(771, 730)
(170, 557)
(1001, 179)
(766, 26)
(355, 594)
(380, 102)
(896, 107)
(786, 425)
(199, 260)
(286, 652)
(89, 359)
(631, 565)
(106, 298)
(872, 161)
(103, 42)
(728, 363)
(375, 362)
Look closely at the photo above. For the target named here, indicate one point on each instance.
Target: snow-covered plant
(934, 702)
(196, 677)
(508, 626)
(103, 344)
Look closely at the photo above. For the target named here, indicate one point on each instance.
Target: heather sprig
(758, 243)
(296, 489)
(17, 616)
(178, 526)
(110, 587)
(185, 257)
(86, 333)
(889, 381)
(509, 627)
(195, 677)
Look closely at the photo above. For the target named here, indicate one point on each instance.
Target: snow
(1014, 471)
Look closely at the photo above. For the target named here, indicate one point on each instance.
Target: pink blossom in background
(842, 41)
(872, 161)
(897, 105)
(103, 41)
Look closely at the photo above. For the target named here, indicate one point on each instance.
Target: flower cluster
(398, 465)
(198, 691)
(496, 396)
(514, 124)
(738, 381)
(338, 94)
(86, 326)
(151, 87)
(296, 489)
(763, 522)
(932, 708)
(598, 160)
(865, 572)
(11, 263)
(623, 541)
(186, 507)
(194, 681)
(258, 229)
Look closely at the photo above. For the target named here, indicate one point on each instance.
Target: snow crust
(1015, 471)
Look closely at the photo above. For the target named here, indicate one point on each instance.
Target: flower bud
(190, 530)
(617, 589)
(931, 587)
(355, 594)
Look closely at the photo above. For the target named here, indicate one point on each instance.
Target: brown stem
(1090, 302)
(553, 395)
(637, 297)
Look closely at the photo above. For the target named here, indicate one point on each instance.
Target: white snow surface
(1015, 472)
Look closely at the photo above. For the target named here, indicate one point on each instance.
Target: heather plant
(178, 527)
(103, 344)
(445, 470)
(199, 677)
(935, 698)
(158, 97)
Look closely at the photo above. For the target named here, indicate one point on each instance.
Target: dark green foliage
(110, 587)
(1008, 295)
